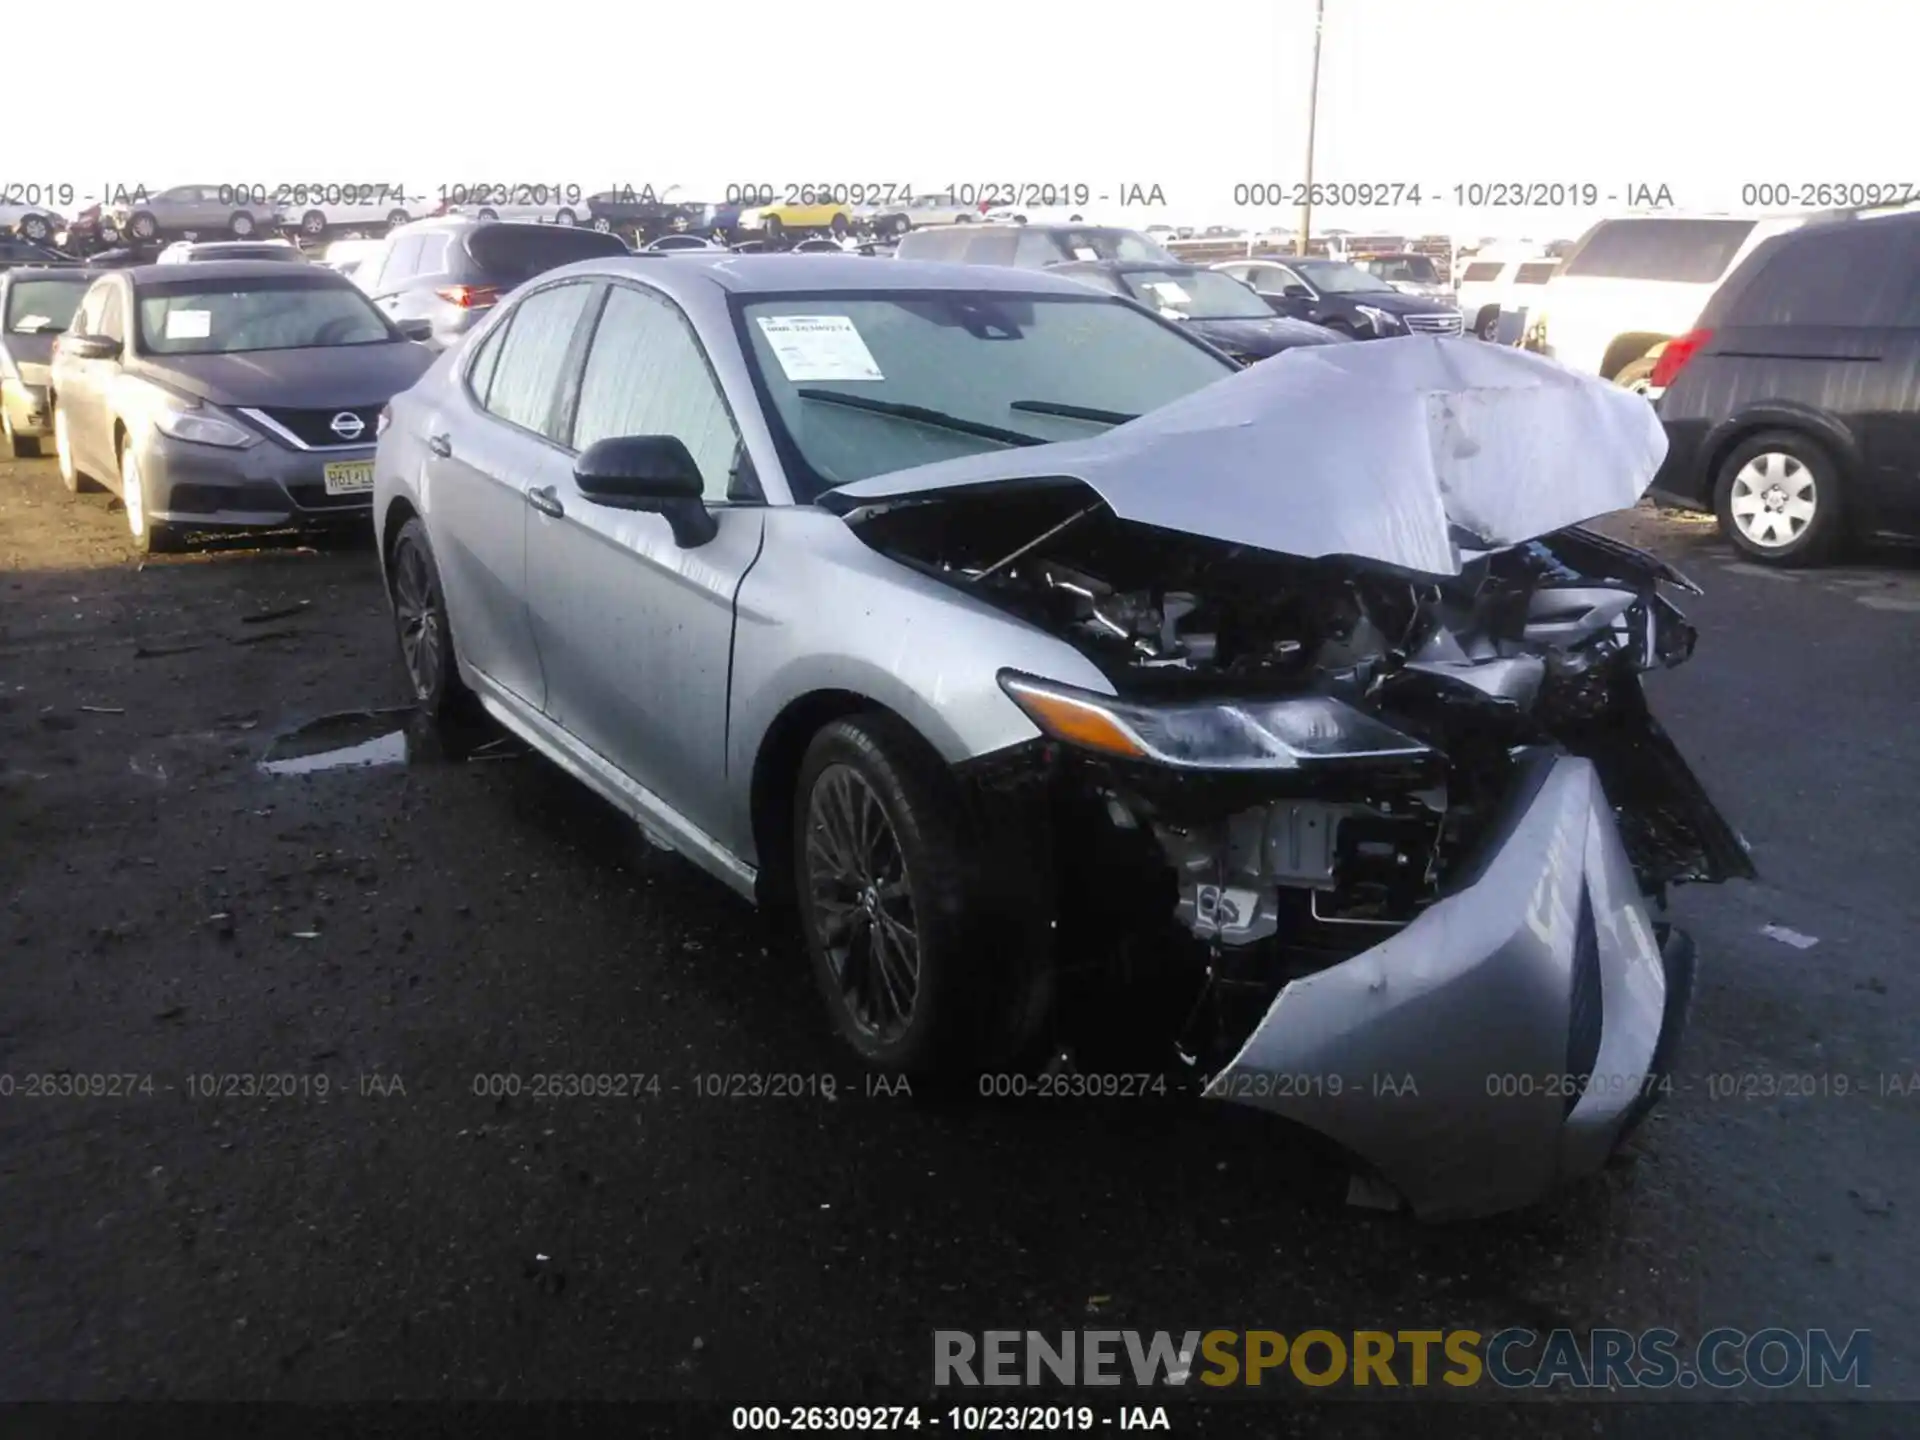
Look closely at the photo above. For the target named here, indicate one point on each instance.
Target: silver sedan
(1038, 658)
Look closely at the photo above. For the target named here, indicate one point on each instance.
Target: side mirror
(648, 472)
(1295, 292)
(89, 347)
(416, 327)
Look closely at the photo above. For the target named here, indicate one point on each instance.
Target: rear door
(635, 633)
(493, 443)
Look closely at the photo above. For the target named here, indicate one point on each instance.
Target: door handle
(545, 501)
(441, 446)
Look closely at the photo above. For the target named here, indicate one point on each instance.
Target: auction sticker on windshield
(189, 324)
(818, 347)
(349, 477)
(1169, 293)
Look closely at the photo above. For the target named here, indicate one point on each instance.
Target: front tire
(421, 623)
(1778, 499)
(313, 224)
(840, 226)
(35, 228)
(241, 225)
(566, 217)
(487, 212)
(143, 227)
(150, 537)
(397, 217)
(20, 447)
(924, 940)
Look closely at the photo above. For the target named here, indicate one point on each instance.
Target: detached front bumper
(1505, 1040)
(264, 486)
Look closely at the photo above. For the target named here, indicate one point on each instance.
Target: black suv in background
(1792, 407)
(1030, 247)
(453, 271)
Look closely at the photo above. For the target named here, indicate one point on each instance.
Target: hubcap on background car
(862, 906)
(1773, 499)
(131, 494)
(417, 613)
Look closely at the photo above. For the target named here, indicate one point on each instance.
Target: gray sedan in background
(1046, 665)
(226, 395)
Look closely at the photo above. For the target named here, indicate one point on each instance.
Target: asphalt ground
(172, 913)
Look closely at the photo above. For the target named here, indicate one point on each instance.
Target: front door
(635, 633)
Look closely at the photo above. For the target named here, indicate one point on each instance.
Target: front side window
(1336, 277)
(1689, 251)
(231, 317)
(113, 317)
(533, 355)
(858, 385)
(1857, 275)
(647, 375)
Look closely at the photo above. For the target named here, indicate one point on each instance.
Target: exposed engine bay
(1405, 701)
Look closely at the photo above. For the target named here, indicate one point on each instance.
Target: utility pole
(1313, 115)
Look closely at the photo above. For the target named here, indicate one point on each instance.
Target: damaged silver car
(1035, 654)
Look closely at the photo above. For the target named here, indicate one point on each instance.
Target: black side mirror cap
(654, 473)
(415, 328)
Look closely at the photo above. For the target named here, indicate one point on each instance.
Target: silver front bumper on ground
(1450, 1056)
(264, 485)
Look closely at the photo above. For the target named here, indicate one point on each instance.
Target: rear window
(1863, 273)
(1536, 274)
(510, 254)
(1481, 272)
(931, 244)
(1688, 251)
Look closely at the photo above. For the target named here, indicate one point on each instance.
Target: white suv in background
(1635, 283)
(324, 210)
(1492, 282)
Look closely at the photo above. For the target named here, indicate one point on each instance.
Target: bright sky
(1702, 96)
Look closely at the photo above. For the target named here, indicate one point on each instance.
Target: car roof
(784, 273)
(49, 272)
(211, 270)
(1129, 267)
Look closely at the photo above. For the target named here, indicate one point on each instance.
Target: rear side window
(403, 263)
(1033, 249)
(432, 259)
(1481, 272)
(510, 254)
(993, 248)
(1536, 274)
(1862, 273)
(1688, 251)
(526, 378)
(932, 245)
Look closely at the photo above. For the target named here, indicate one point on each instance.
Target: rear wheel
(35, 228)
(143, 226)
(70, 475)
(566, 217)
(1778, 499)
(774, 228)
(487, 212)
(1637, 377)
(840, 225)
(924, 941)
(421, 623)
(241, 224)
(313, 224)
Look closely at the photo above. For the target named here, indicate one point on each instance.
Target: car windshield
(43, 306)
(1336, 277)
(1414, 269)
(1195, 295)
(864, 384)
(231, 317)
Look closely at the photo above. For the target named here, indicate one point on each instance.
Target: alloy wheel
(416, 609)
(862, 902)
(132, 493)
(1773, 499)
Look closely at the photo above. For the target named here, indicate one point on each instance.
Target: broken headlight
(1281, 734)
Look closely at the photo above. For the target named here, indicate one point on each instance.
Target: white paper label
(819, 347)
(1169, 293)
(1085, 252)
(189, 324)
(29, 324)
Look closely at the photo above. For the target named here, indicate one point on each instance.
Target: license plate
(349, 477)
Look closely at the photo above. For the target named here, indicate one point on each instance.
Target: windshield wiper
(1072, 412)
(922, 415)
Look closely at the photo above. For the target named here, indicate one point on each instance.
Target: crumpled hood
(1406, 451)
(1264, 337)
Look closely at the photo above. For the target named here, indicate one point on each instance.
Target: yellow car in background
(775, 220)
